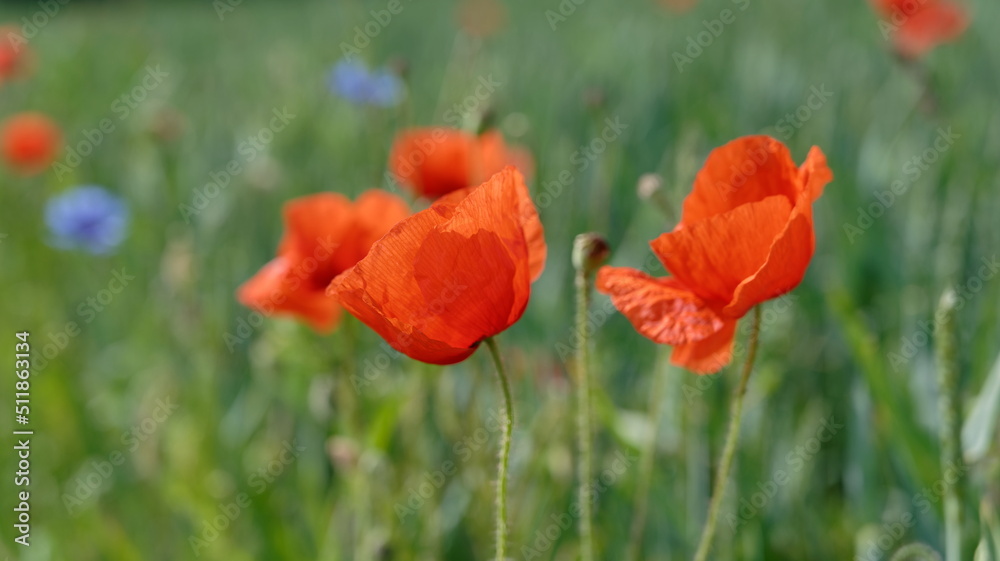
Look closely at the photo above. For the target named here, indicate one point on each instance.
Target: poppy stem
(729, 449)
(505, 438)
(583, 425)
(589, 251)
(951, 424)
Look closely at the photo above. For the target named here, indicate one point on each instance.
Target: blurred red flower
(481, 18)
(678, 6)
(452, 275)
(29, 142)
(433, 162)
(917, 26)
(745, 236)
(325, 234)
(14, 53)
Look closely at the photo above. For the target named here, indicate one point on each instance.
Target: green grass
(365, 455)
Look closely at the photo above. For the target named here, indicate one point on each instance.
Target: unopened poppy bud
(649, 189)
(590, 251)
(648, 186)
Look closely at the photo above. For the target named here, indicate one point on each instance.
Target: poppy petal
(662, 310)
(935, 23)
(276, 289)
(316, 221)
(814, 174)
(712, 257)
(708, 355)
(434, 161)
(445, 278)
(746, 170)
(375, 213)
(783, 269)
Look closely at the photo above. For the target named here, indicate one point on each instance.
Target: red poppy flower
(14, 53)
(29, 142)
(745, 236)
(436, 161)
(450, 276)
(325, 234)
(917, 26)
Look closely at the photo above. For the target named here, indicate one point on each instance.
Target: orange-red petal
(445, 278)
(712, 257)
(935, 23)
(662, 310)
(432, 162)
(30, 142)
(708, 355)
(280, 287)
(745, 170)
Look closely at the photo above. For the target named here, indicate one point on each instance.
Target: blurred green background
(176, 426)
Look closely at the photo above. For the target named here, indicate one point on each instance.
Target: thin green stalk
(729, 449)
(951, 426)
(584, 431)
(646, 464)
(505, 437)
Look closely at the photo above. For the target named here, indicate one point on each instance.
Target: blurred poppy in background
(433, 162)
(87, 217)
(325, 234)
(29, 142)
(448, 277)
(745, 236)
(481, 18)
(917, 26)
(14, 53)
(353, 81)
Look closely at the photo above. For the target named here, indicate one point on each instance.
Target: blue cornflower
(87, 217)
(353, 81)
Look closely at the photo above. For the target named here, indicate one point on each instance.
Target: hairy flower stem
(951, 426)
(729, 449)
(505, 437)
(584, 431)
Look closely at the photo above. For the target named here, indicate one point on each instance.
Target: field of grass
(169, 423)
